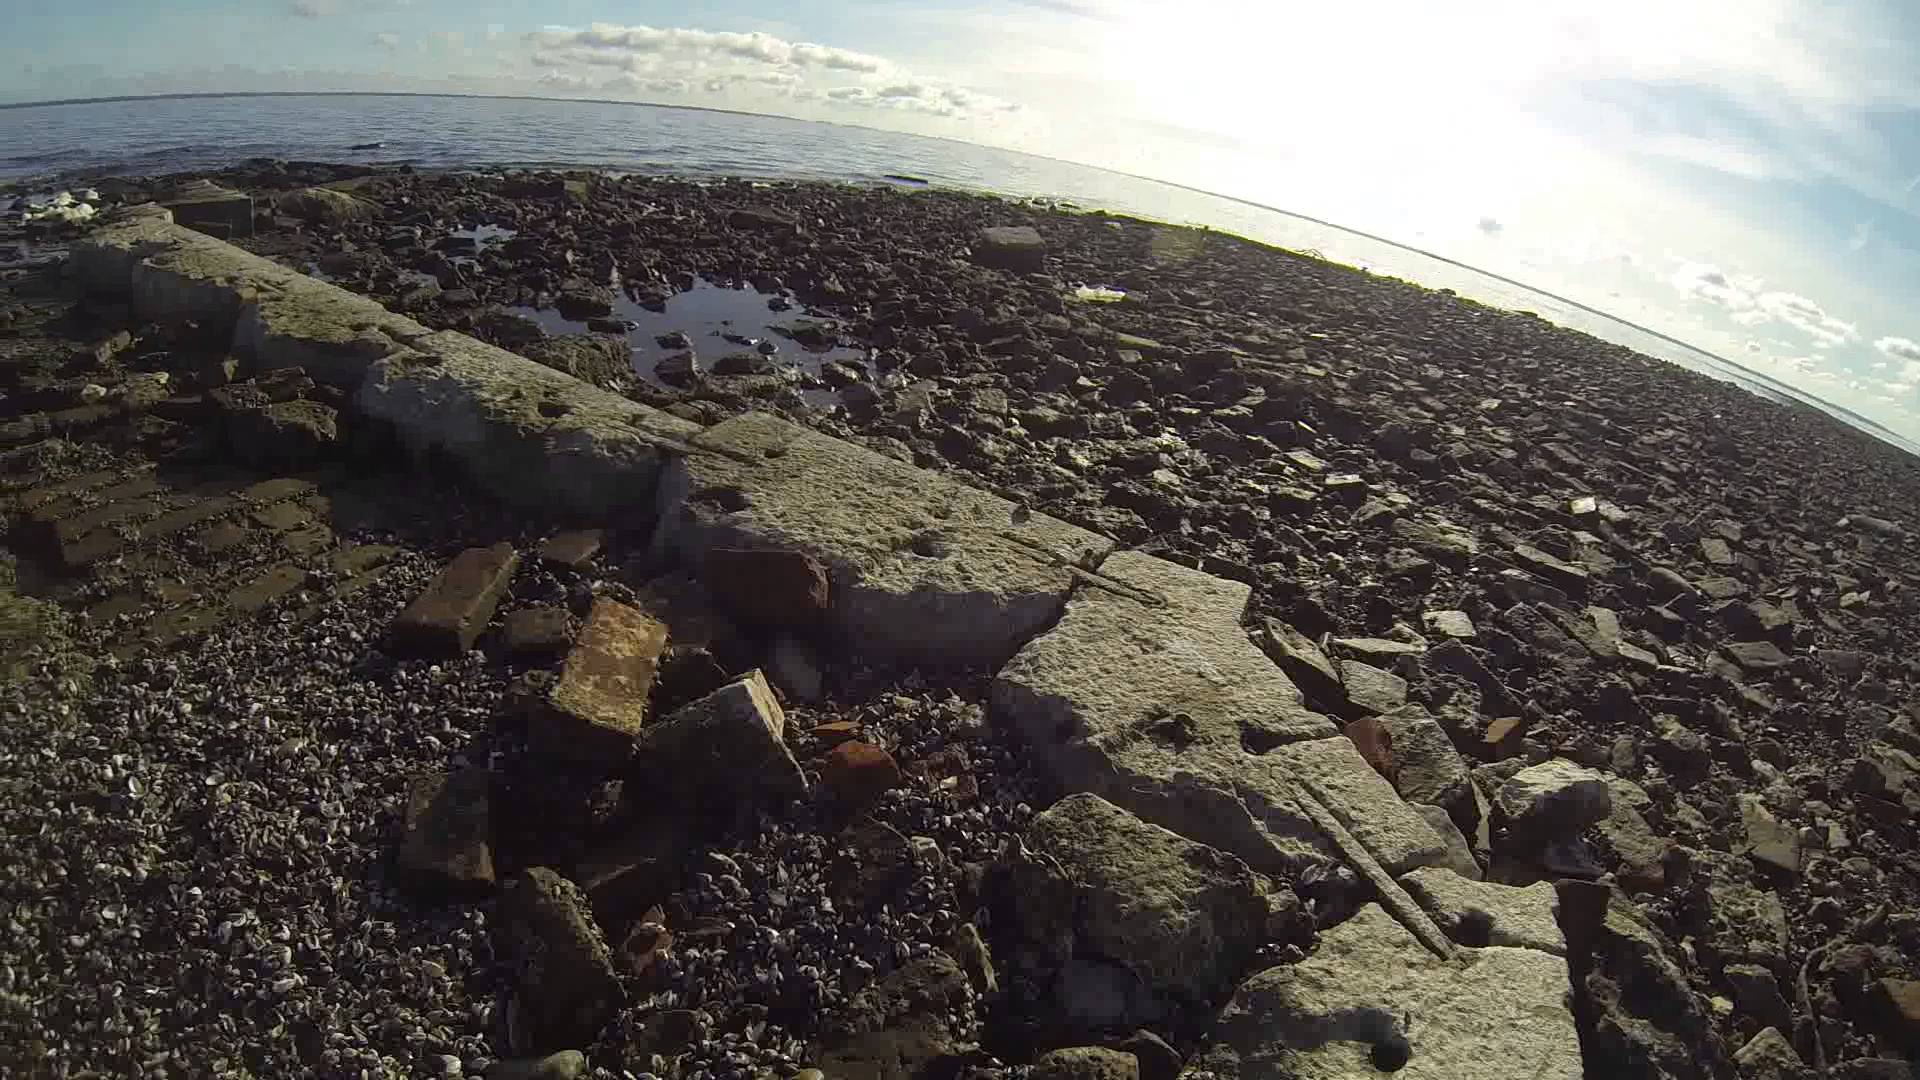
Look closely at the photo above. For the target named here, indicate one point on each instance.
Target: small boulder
(1554, 799)
(326, 206)
(1018, 248)
(858, 772)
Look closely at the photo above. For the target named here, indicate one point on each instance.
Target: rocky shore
(901, 633)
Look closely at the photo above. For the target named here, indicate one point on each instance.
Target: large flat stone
(1167, 710)
(923, 569)
(598, 705)
(535, 437)
(1370, 995)
(1485, 913)
(444, 621)
(1393, 832)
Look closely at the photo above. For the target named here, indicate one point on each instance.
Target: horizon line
(1801, 396)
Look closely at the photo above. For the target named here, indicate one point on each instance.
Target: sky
(1741, 174)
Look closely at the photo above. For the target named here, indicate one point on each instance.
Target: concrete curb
(532, 436)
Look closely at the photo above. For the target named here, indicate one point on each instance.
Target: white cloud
(315, 9)
(675, 41)
(386, 40)
(1810, 318)
(677, 61)
(1747, 305)
(1490, 226)
(1710, 283)
(1899, 348)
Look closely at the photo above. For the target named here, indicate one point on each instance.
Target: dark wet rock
(1018, 248)
(326, 206)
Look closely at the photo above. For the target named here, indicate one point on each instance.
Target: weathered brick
(97, 546)
(223, 536)
(34, 498)
(600, 700)
(444, 621)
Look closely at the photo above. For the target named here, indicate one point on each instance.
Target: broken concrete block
(538, 634)
(203, 203)
(445, 620)
(539, 439)
(448, 843)
(1018, 248)
(922, 569)
(1302, 660)
(1482, 913)
(725, 748)
(1182, 916)
(1454, 624)
(599, 703)
(572, 549)
(1370, 690)
(567, 989)
(1166, 708)
(1490, 1014)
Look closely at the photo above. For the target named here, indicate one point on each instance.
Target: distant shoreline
(1770, 383)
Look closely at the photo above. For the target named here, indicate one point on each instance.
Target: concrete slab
(535, 437)
(1394, 832)
(924, 570)
(1485, 913)
(1166, 710)
(1371, 1001)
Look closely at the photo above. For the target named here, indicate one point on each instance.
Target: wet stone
(446, 619)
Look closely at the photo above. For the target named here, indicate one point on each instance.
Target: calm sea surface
(174, 134)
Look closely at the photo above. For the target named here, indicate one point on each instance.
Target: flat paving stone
(1370, 1001)
(277, 582)
(1173, 714)
(445, 620)
(1484, 913)
(599, 703)
(923, 569)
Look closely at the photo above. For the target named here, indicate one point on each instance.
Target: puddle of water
(719, 320)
